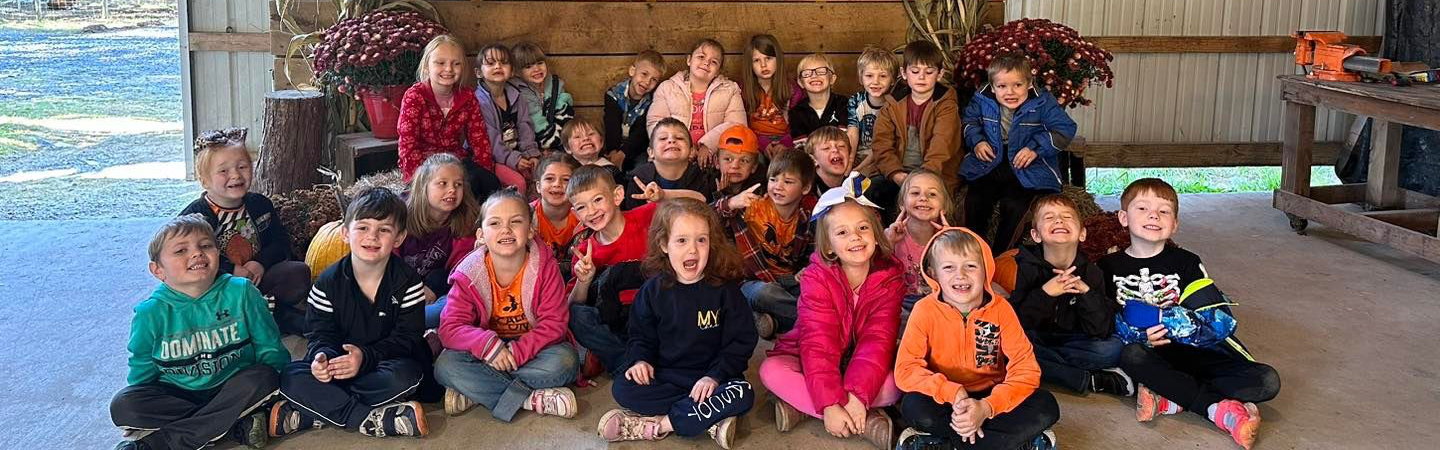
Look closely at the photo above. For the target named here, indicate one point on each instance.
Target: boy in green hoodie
(204, 350)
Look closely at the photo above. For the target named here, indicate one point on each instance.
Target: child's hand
(703, 389)
(1155, 335)
(1077, 286)
(1024, 158)
(648, 192)
(744, 198)
(984, 151)
(257, 271)
(960, 395)
(640, 373)
(896, 231)
(616, 157)
(856, 409)
(584, 268)
(838, 422)
(704, 156)
(899, 177)
(503, 361)
(1060, 284)
(430, 296)
(774, 148)
(346, 367)
(320, 368)
(968, 415)
(524, 165)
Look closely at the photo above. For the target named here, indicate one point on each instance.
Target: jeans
(1066, 359)
(501, 392)
(1196, 378)
(186, 419)
(596, 336)
(433, 311)
(346, 403)
(1005, 431)
(777, 299)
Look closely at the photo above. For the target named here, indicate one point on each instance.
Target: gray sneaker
(395, 419)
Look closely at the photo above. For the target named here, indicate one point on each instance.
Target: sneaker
(621, 425)
(553, 402)
(1112, 381)
(724, 432)
(878, 429)
(1148, 405)
(765, 325)
(786, 416)
(592, 368)
(913, 439)
(456, 403)
(131, 445)
(1241, 420)
(251, 430)
(1044, 441)
(395, 419)
(286, 417)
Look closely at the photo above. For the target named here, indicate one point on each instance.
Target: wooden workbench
(1389, 215)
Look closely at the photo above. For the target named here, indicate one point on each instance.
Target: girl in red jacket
(836, 363)
(440, 114)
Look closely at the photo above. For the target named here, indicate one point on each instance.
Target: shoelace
(633, 428)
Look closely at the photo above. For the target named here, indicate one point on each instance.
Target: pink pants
(782, 376)
(509, 177)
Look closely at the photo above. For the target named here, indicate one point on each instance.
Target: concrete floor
(1351, 326)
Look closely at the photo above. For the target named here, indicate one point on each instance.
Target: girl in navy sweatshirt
(692, 379)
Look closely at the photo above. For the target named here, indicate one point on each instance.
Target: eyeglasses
(220, 137)
(816, 72)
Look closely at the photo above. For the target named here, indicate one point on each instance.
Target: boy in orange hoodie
(973, 385)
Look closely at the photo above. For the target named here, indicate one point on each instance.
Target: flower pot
(382, 106)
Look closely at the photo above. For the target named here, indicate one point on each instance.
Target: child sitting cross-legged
(506, 112)
(773, 237)
(1180, 334)
(1060, 298)
(366, 354)
(967, 369)
(768, 93)
(439, 228)
(700, 99)
(920, 129)
(836, 365)
(555, 222)
(822, 106)
(877, 70)
(504, 329)
(441, 114)
(204, 352)
(606, 266)
(253, 243)
(672, 173)
(626, 104)
(691, 335)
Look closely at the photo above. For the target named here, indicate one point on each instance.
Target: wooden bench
(353, 146)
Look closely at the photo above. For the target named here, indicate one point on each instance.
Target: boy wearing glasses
(816, 75)
(919, 129)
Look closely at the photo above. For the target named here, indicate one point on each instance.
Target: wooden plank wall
(1220, 97)
(590, 43)
(224, 81)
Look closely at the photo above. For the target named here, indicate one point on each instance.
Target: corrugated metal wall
(224, 88)
(1199, 97)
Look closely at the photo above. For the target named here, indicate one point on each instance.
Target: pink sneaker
(621, 425)
(1241, 420)
(1148, 405)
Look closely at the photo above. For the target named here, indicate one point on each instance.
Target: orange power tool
(1332, 60)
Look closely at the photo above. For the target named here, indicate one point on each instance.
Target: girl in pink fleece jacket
(504, 328)
(701, 98)
(836, 364)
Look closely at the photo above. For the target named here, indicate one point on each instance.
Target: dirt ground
(1349, 325)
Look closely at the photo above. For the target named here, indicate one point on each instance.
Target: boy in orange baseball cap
(738, 159)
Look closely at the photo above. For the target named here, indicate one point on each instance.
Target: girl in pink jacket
(700, 97)
(836, 364)
(505, 325)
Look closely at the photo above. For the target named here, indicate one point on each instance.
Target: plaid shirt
(756, 261)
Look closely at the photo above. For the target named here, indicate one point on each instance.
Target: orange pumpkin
(326, 248)
(1005, 269)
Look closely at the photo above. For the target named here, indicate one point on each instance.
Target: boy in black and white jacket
(367, 353)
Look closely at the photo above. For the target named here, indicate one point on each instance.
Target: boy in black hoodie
(1060, 298)
(366, 354)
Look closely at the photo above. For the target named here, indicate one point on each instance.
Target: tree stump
(294, 142)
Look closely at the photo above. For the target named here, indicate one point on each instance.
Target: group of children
(659, 247)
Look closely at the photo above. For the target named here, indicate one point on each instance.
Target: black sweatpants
(670, 396)
(289, 283)
(1196, 378)
(481, 181)
(185, 419)
(999, 187)
(346, 403)
(1005, 431)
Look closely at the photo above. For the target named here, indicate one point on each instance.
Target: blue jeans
(777, 299)
(432, 312)
(1066, 359)
(593, 334)
(504, 393)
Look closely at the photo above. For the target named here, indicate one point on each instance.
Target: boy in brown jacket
(920, 128)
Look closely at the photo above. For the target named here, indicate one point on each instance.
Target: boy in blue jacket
(204, 351)
(1015, 132)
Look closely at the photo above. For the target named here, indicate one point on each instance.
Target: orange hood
(985, 254)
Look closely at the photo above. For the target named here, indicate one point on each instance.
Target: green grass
(1202, 180)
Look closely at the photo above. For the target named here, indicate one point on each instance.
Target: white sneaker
(553, 402)
(456, 403)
